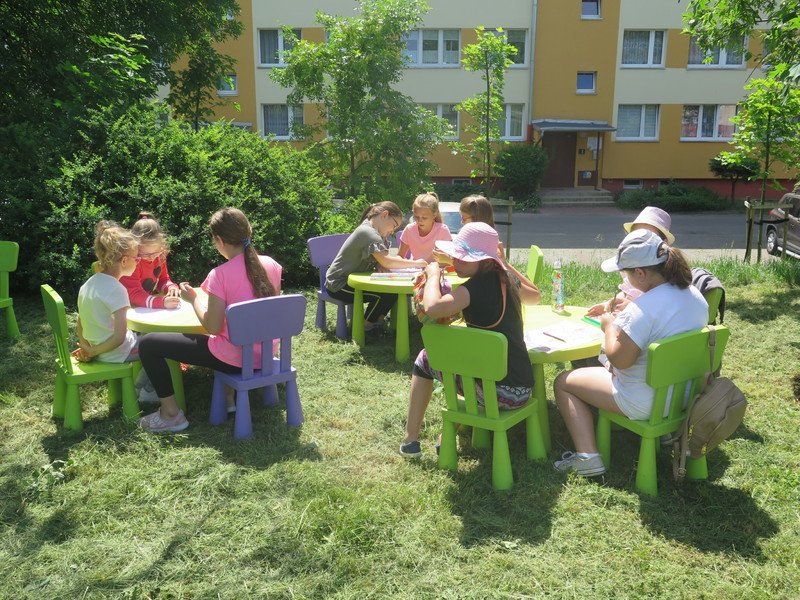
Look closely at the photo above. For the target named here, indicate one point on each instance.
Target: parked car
(790, 209)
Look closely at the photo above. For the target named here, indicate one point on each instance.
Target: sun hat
(473, 243)
(638, 249)
(656, 217)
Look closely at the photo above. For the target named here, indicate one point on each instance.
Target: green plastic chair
(9, 253)
(477, 354)
(713, 297)
(680, 361)
(70, 373)
(535, 270)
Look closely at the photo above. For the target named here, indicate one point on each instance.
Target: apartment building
(611, 88)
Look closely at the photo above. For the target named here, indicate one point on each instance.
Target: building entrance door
(560, 148)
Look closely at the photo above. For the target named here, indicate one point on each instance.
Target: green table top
(179, 320)
(364, 281)
(540, 317)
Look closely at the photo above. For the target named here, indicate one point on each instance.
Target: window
(273, 46)
(511, 124)
(461, 181)
(590, 9)
(516, 38)
(586, 83)
(447, 112)
(433, 47)
(637, 121)
(228, 86)
(281, 119)
(643, 48)
(731, 56)
(707, 121)
(631, 184)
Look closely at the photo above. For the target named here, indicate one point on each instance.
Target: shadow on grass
(769, 307)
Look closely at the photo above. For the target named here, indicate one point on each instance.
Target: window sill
(277, 66)
(586, 93)
(591, 18)
(659, 67)
(715, 67)
(712, 140)
(431, 66)
(626, 140)
(225, 93)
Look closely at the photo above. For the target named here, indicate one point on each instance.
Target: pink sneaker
(155, 423)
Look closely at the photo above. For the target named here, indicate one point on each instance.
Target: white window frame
(281, 47)
(700, 113)
(438, 110)
(461, 181)
(641, 137)
(585, 91)
(233, 91)
(628, 184)
(290, 114)
(722, 62)
(506, 129)
(650, 64)
(589, 17)
(439, 64)
(519, 55)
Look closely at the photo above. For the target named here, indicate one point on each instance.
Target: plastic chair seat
(322, 250)
(256, 323)
(476, 354)
(679, 363)
(70, 373)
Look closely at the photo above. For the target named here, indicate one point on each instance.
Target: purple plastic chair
(322, 251)
(255, 323)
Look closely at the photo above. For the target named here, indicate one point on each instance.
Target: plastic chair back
(713, 297)
(535, 271)
(322, 250)
(57, 318)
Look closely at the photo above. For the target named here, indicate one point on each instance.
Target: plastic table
(176, 320)
(361, 282)
(539, 317)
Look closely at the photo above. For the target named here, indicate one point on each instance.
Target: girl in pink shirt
(245, 276)
(419, 237)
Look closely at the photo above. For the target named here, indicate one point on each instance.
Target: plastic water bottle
(558, 287)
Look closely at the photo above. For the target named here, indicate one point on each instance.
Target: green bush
(672, 197)
(521, 168)
(147, 163)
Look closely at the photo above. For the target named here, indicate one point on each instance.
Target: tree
(767, 128)
(371, 138)
(491, 57)
(193, 92)
(717, 22)
(734, 168)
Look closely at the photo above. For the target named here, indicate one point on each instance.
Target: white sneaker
(588, 467)
(155, 423)
(148, 396)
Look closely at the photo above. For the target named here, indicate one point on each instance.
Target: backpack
(716, 412)
(419, 290)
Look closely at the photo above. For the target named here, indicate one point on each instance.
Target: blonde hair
(112, 242)
(232, 227)
(430, 201)
(147, 229)
(478, 208)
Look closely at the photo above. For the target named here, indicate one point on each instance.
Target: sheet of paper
(393, 276)
(562, 336)
(165, 315)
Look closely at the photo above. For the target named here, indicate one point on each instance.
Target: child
(667, 305)
(420, 236)
(103, 301)
(365, 250)
(477, 209)
(151, 276)
(245, 276)
(487, 301)
(650, 219)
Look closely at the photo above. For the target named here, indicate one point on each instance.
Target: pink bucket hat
(656, 217)
(475, 242)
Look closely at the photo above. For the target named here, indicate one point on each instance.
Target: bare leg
(421, 392)
(575, 392)
(169, 408)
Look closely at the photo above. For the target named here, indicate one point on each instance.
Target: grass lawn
(331, 510)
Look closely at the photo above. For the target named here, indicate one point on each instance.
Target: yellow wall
(242, 50)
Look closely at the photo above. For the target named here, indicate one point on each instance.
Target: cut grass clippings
(331, 511)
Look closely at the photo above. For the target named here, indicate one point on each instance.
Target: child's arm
(395, 262)
(528, 292)
(120, 331)
(403, 251)
(620, 349)
(141, 297)
(211, 317)
(166, 285)
(437, 305)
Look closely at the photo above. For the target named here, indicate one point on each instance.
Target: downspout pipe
(531, 56)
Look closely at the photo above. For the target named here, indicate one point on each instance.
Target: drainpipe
(531, 55)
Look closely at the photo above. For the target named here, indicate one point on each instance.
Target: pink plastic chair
(251, 324)
(322, 251)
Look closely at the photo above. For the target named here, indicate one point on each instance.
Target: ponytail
(675, 270)
(378, 208)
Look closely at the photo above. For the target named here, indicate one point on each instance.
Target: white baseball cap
(656, 217)
(640, 248)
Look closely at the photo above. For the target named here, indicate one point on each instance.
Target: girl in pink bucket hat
(488, 300)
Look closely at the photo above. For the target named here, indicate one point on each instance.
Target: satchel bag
(419, 292)
(717, 411)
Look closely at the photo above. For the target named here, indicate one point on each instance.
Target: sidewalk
(594, 256)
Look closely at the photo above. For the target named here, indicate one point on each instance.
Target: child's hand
(187, 292)
(501, 252)
(422, 263)
(173, 292)
(432, 269)
(172, 301)
(441, 257)
(81, 355)
(606, 319)
(597, 309)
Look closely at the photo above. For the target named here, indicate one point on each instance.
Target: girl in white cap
(488, 300)
(650, 219)
(668, 305)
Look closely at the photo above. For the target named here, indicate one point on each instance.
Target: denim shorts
(508, 397)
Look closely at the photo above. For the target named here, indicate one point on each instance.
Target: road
(591, 234)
